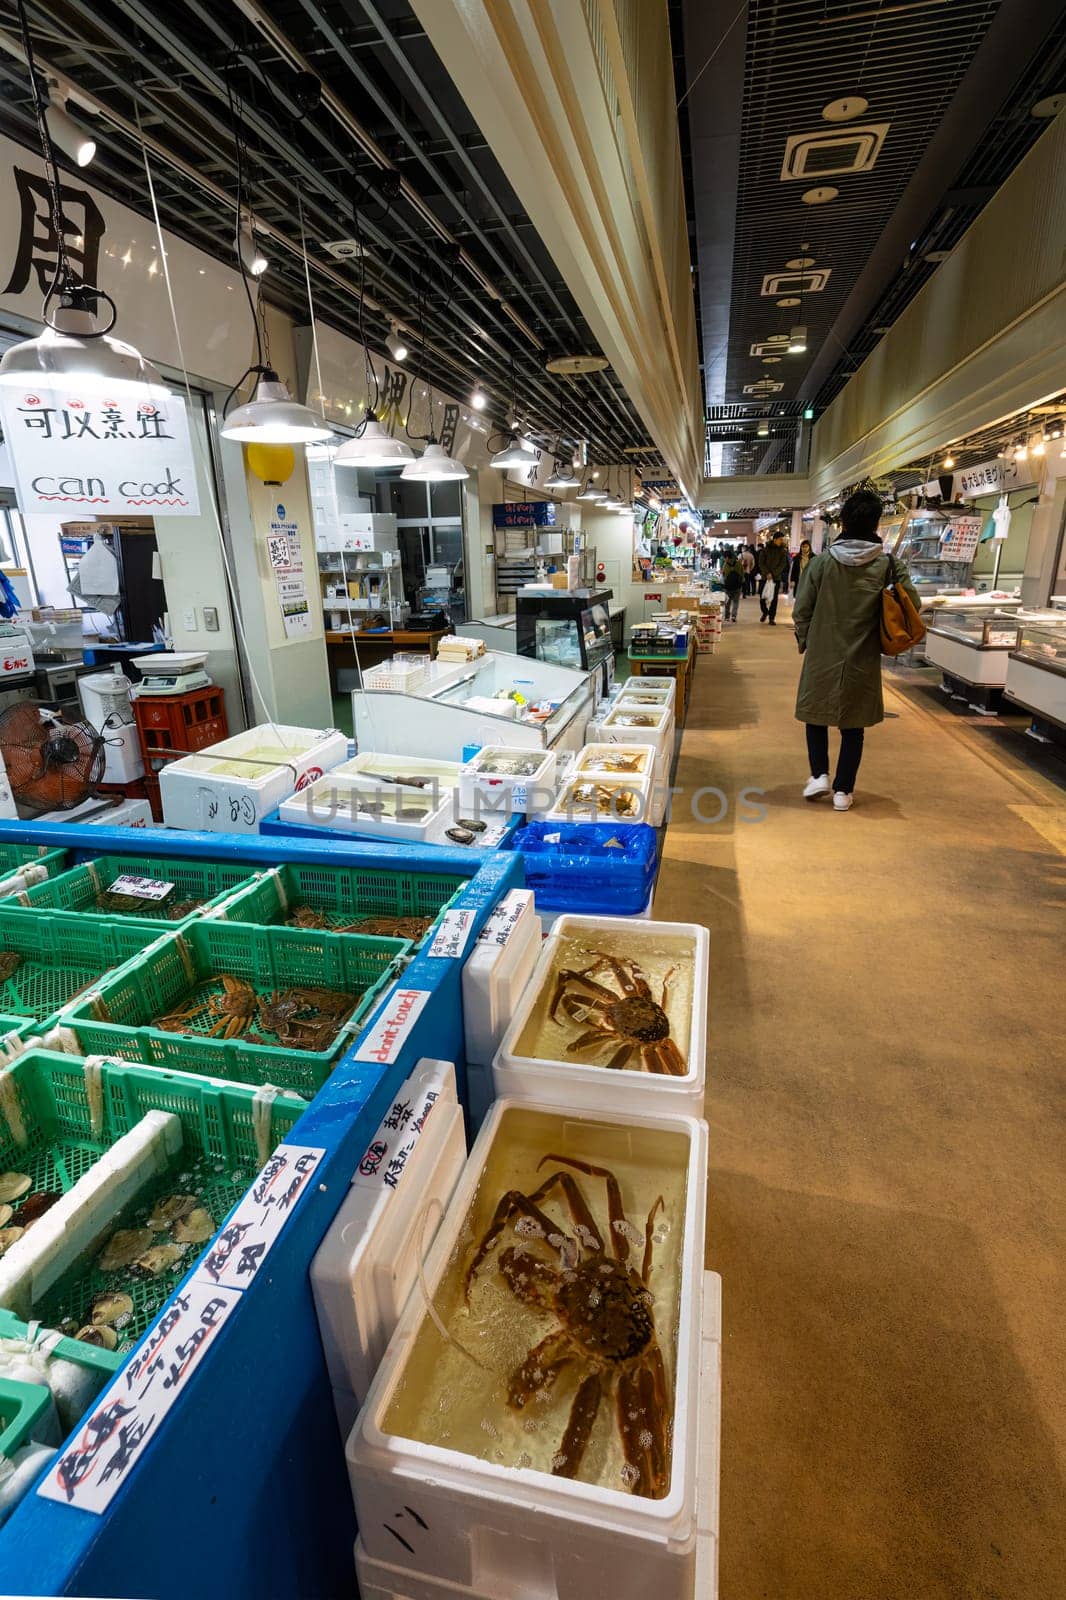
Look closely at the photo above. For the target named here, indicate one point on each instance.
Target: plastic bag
(96, 580)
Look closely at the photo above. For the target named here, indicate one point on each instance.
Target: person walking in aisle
(800, 562)
(732, 583)
(837, 617)
(773, 567)
(747, 561)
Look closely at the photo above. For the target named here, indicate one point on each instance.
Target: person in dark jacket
(799, 564)
(773, 567)
(732, 583)
(837, 617)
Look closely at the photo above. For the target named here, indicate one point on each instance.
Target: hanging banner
(103, 455)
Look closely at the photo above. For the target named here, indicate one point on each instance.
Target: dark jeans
(732, 604)
(768, 607)
(850, 755)
(749, 583)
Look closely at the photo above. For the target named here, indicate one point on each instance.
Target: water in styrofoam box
(647, 688)
(617, 759)
(355, 803)
(639, 724)
(382, 765)
(507, 779)
(599, 797)
(453, 1390)
(232, 785)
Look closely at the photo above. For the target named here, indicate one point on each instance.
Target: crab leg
(622, 1054)
(579, 1428)
(655, 1404)
(596, 1037)
(673, 1060)
(582, 1217)
(529, 1279)
(615, 1209)
(514, 1200)
(635, 1432)
(666, 986)
(538, 1372)
(649, 1226)
(569, 976)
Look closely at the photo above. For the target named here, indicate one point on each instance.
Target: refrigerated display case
(500, 699)
(970, 646)
(568, 629)
(1036, 674)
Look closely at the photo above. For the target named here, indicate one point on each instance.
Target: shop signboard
(993, 477)
(102, 454)
(525, 514)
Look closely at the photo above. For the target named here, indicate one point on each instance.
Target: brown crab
(275, 1014)
(621, 763)
(234, 1008)
(10, 961)
(183, 1017)
(605, 1323)
(633, 1021)
(307, 917)
(602, 798)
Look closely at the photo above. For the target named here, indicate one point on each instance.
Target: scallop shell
(109, 1307)
(122, 1248)
(195, 1228)
(6, 1213)
(8, 1237)
(166, 1212)
(13, 1185)
(156, 1260)
(98, 1333)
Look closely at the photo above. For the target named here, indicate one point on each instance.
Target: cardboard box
(560, 580)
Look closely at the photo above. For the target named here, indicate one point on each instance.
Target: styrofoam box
(339, 801)
(207, 790)
(378, 764)
(478, 788)
(598, 758)
(664, 689)
(660, 731)
(515, 1532)
(565, 810)
(367, 1264)
(575, 1083)
(382, 1580)
(494, 977)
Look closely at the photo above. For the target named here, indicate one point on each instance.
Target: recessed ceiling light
(798, 263)
(935, 257)
(1050, 106)
(770, 361)
(791, 301)
(574, 366)
(820, 196)
(852, 105)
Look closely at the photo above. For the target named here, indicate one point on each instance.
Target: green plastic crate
(210, 883)
(342, 895)
(105, 1363)
(118, 1020)
(60, 956)
(60, 1144)
(25, 1413)
(13, 857)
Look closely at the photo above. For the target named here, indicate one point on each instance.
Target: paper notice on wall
(960, 543)
(295, 610)
(99, 453)
(283, 545)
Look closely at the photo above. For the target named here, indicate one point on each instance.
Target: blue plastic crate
(583, 866)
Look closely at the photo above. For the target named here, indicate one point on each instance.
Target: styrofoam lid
(168, 661)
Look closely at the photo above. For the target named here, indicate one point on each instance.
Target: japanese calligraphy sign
(385, 1159)
(111, 1439)
(243, 1244)
(451, 936)
(504, 918)
(103, 453)
(37, 248)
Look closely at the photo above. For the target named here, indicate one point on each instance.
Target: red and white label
(392, 1026)
(309, 776)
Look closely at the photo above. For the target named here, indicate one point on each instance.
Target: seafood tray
(616, 1000)
(381, 904)
(543, 1416)
(597, 797)
(501, 779)
(22, 865)
(219, 981)
(643, 688)
(572, 866)
(197, 886)
(57, 1118)
(617, 760)
(414, 770)
(346, 803)
(46, 958)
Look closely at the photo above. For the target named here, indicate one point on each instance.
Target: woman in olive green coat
(837, 618)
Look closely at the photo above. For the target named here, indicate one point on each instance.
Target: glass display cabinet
(569, 630)
(1036, 674)
(970, 645)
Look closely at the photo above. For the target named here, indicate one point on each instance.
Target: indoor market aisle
(886, 1178)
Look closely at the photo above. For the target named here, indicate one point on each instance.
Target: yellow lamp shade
(672, 513)
(271, 463)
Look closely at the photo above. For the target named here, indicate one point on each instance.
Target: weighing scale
(171, 672)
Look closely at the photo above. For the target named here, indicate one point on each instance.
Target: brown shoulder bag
(901, 625)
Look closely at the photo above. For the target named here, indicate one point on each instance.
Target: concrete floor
(885, 1098)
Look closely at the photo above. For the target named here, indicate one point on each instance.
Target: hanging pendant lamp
(373, 448)
(274, 417)
(517, 452)
(434, 466)
(564, 477)
(70, 352)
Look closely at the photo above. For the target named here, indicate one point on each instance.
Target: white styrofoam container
(205, 791)
(383, 1580)
(491, 1530)
(359, 530)
(367, 1264)
(569, 1082)
(340, 801)
(566, 808)
(598, 758)
(660, 729)
(494, 976)
(664, 689)
(378, 764)
(479, 788)
(660, 786)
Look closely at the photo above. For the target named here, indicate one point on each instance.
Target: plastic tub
(232, 785)
(486, 784)
(348, 803)
(593, 798)
(59, 956)
(536, 1060)
(446, 1478)
(616, 760)
(119, 1018)
(207, 883)
(573, 866)
(638, 725)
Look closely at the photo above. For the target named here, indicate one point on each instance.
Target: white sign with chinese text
(140, 888)
(246, 1240)
(99, 454)
(386, 1156)
(392, 1025)
(452, 934)
(110, 1440)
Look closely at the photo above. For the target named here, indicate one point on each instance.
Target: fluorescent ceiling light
(373, 448)
(516, 453)
(70, 352)
(274, 417)
(64, 131)
(434, 466)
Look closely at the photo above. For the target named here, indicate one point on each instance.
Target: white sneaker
(816, 786)
(843, 802)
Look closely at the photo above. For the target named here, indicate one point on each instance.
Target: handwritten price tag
(385, 1159)
(141, 888)
(243, 1245)
(450, 939)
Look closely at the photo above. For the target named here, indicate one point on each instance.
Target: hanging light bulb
(434, 465)
(797, 340)
(251, 257)
(1021, 451)
(70, 350)
(479, 399)
(1039, 446)
(272, 416)
(947, 463)
(64, 131)
(373, 448)
(396, 345)
(516, 453)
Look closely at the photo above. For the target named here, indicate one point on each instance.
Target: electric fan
(52, 764)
